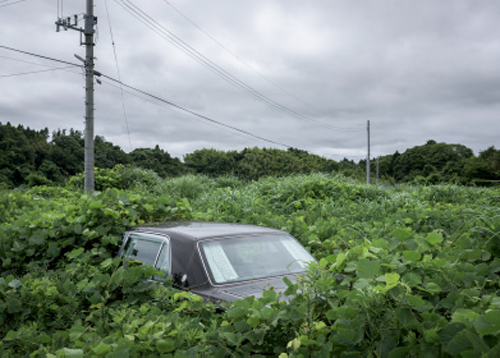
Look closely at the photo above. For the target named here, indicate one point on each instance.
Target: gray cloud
(417, 70)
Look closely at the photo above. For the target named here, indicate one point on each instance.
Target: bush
(120, 177)
(406, 271)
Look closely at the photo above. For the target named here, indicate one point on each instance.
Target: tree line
(31, 157)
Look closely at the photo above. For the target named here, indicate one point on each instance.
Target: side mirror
(181, 280)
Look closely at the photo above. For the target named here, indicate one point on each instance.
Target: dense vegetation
(402, 271)
(28, 157)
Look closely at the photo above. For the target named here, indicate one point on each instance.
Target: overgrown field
(403, 271)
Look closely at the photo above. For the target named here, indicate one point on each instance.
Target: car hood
(245, 289)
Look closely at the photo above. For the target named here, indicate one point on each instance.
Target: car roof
(204, 230)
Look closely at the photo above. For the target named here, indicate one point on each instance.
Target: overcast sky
(305, 74)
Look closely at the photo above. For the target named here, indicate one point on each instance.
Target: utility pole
(368, 156)
(88, 32)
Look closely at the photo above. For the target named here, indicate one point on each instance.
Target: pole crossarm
(68, 23)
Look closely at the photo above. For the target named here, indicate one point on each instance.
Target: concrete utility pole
(368, 156)
(88, 32)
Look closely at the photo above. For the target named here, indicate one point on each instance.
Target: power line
(34, 72)
(195, 113)
(155, 26)
(237, 57)
(12, 3)
(159, 99)
(118, 72)
(152, 96)
(210, 120)
(155, 102)
(41, 56)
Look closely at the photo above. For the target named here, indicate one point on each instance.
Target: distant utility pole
(368, 156)
(88, 32)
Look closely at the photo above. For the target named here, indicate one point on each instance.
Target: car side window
(149, 249)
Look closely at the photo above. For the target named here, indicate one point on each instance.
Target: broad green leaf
(412, 279)
(13, 304)
(488, 324)
(459, 344)
(478, 344)
(432, 288)
(391, 279)
(287, 281)
(495, 351)
(431, 335)
(362, 283)
(269, 295)
(11, 335)
(340, 259)
(107, 263)
(253, 320)
(295, 344)
(102, 348)
(472, 254)
(165, 345)
(320, 326)
(52, 291)
(307, 341)
(343, 312)
(434, 238)
(447, 334)
(410, 255)
(15, 283)
(407, 318)
(345, 335)
(380, 243)
(367, 268)
(399, 352)
(402, 233)
(68, 352)
(418, 303)
(97, 204)
(464, 315)
(73, 254)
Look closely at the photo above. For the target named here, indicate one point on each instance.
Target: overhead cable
(118, 73)
(41, 56)
(99, 74)
(33, 72)
(237, 57)
(157, 98)
(161, 30)
(194, 113)
(12, 3)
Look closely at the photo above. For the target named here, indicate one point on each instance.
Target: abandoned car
(218, 261)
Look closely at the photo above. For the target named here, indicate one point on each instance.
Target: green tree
(157, 160)
(68, 151)
(22, 150)
(108, 155)
(211, 162)
(445, 160)
(486, 166)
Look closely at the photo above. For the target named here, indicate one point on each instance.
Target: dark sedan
(218, 261)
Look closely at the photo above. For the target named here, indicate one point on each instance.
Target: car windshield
(253, 257)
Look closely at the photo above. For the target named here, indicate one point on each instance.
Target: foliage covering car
(218, 261)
